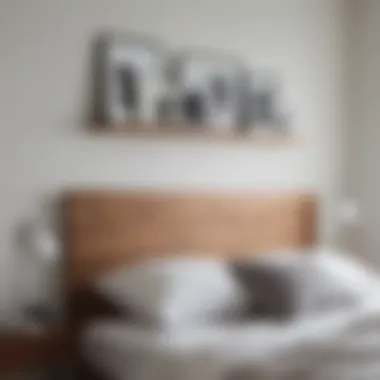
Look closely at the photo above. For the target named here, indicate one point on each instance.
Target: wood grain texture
(105, 229)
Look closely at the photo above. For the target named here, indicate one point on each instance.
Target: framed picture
(262, 110)
(130, 72)
(207, 85)
(265, 91)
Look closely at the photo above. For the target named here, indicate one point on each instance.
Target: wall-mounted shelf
(262, 136)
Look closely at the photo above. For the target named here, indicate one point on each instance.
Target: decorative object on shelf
(131, 75)
(193, 108)
(170, 101)
(265, 90)
(141, 88)
(245, 118)
(208, 86)
(262, 109)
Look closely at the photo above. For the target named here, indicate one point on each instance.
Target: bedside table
(24, 352)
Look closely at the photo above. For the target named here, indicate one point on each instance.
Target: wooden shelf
(260, 137)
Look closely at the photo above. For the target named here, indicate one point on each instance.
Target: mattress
(243, 351)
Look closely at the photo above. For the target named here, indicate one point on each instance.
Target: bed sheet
(251, 351)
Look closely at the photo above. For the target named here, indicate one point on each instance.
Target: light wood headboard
(108, 228)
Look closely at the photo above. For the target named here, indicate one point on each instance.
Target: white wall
(362, 179)
(44, 74)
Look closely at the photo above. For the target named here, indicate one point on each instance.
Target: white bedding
(341, 346)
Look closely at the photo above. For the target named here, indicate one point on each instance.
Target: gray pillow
(270, 289)
(298, 287)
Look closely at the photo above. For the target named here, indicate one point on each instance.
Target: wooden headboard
(105, 229)
(109, 228)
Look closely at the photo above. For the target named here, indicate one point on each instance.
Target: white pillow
(337, 269)
(331, 281)
(175, 292)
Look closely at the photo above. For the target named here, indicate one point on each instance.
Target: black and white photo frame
(130, 72)
(264, 97)
(207, 86)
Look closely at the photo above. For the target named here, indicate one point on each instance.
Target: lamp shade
(41, 242)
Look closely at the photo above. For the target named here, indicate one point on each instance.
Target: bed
(105, 229)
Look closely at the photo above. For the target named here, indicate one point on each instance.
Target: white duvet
(340, 346)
